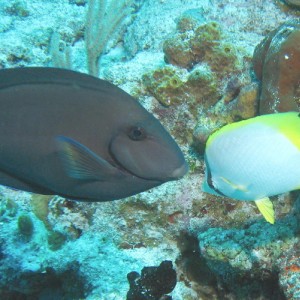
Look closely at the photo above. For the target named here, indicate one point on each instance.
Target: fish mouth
(179, 172)
(127, 172)
(134, 162)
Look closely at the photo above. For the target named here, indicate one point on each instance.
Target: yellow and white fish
(255, 159)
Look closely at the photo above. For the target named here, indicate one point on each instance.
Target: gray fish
(70, 134)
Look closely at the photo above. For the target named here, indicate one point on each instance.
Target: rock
(153, 283)
(247, 260)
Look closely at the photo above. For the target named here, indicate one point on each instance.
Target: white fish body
(255, 159)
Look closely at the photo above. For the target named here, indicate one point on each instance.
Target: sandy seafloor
(105, 241)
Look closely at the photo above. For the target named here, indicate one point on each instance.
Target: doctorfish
(70, 134)
(254, 159)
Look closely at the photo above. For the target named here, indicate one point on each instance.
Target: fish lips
(149, 159)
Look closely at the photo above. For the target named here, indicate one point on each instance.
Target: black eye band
(209, 178)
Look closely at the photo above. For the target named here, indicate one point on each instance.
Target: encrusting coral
(205, 56)
(172, 86)
(202, 73)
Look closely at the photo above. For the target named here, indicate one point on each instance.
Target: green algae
(56, 240)
(25, 226)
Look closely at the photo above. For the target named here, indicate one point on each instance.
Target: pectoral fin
(265, 206)
(239, 187)
(82, 163)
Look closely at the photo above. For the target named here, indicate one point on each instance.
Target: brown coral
(277, 64)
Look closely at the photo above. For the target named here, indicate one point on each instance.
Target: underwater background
(195, 65)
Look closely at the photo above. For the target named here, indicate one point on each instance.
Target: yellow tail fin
(265, 206)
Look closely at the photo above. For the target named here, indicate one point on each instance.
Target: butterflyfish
(254, 159)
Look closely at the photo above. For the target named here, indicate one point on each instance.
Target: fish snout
(155, 158)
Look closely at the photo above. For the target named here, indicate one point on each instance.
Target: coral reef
(203, 73)
(17, 8)
(205, 43)
(293, 3)
(50, 209)
(75, 239)
(276, 63)
(206, 57)
(239, 254)
(192, 268)
(166, 85)
(83, 250)
(289, 272)
(153, 283)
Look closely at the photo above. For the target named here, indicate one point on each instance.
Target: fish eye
(137, 133)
